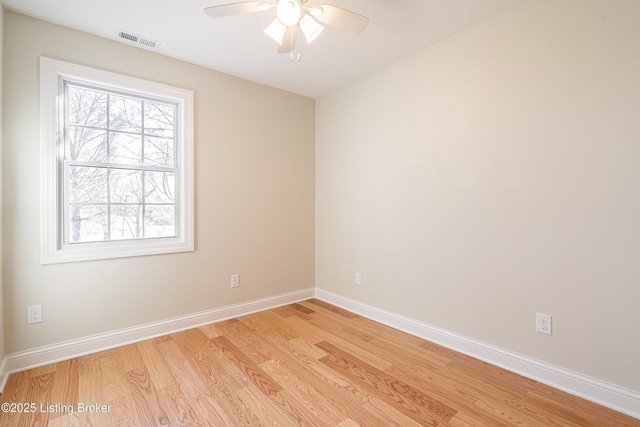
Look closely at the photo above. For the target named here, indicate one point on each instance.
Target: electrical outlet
(235, 280)
(543, 323)
(358, 279)
(34, 314)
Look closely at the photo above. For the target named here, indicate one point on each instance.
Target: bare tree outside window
(119, 166)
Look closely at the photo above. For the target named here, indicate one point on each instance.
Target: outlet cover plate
(34, 314)
(543, 323)
(235, 280)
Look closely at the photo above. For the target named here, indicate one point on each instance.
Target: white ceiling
(236, 45)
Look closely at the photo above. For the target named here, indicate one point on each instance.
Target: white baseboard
(29, 359)
(4, 375)
(600, 392)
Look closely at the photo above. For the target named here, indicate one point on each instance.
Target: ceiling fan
(293, 16)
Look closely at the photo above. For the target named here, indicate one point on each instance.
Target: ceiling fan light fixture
(310, 28)
(276, 31)
(289, 12)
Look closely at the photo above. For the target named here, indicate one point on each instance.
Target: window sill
(112, 250)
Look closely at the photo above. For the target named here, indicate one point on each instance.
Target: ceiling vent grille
(137, 39)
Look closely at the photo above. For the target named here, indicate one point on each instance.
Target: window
(117, 162)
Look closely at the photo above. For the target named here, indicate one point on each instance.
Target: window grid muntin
(67, 163)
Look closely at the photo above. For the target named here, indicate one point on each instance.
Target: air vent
(136, 39)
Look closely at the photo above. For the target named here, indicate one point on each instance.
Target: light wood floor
(307, 364)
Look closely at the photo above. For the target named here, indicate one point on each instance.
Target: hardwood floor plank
(210, 331)
(196, 343)
(389, 415)
(285, 330)
(155, 364)
(321, 305)
(313, 372)
(178, 404)
(149, 408)
(251, 370)
(16, 387)
(463, 420)
(376, 329)
(477, 383)
(409, 355)
(211, 412)
(91, 388)
(302, 308)
(306, 393)
(15, 391)
(455, 394)
(436, 386)
(271, 323)
(40, 388)
(210, 364)
(254, 354)
(301, 346)
(411, 402)
(575, 410)
(306, 364)
(335, 335)
(236, 332)
(223, 379)
(89, 363)
(65, 421)
(348, 423)
(286, 311)
(113, 379)
(296, 410)
(262, 407)
(455, 388)
(339, 394)
(344, 396)
(123, 412)
(443, 351)
(178, 363)
(511, 416)
(47, 369)
(66, 385)
(126, 358)
(511, 383)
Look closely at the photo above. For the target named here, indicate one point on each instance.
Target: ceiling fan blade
(230, 9)
(339, 18)
(289, 40)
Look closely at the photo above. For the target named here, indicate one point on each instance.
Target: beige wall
(254, 191)
(2, 310)
(493, 176)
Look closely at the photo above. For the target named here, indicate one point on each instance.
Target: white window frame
(53, 73)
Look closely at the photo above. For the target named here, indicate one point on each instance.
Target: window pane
(87, 223)
(125, 114)
(160, 221)
(87, 107)
(159, 187)
(126, 222)
(126, 186)
(86, 144)
(158, 119)
(158, 152)
(125, 148)
(87, 184)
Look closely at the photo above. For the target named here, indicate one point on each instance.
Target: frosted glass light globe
(289, 12)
